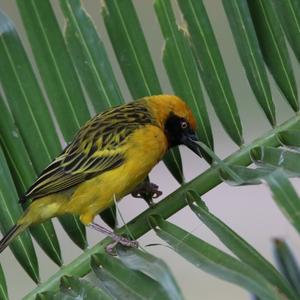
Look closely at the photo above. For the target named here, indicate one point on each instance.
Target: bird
(108, 158)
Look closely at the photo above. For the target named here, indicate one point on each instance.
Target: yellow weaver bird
(108, 158)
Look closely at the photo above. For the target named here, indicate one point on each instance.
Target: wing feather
(97, 147)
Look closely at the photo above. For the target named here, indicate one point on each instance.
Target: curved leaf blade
(247, 176)
(30, 110)
(10, 211)
(223, 165)
(92, 64)
(61, 83)
(133, 55)
(290, 138)
(90, 57)
(287, 264)
(277, 165)
(80, 289)
(25, 98)
(55, 66)
(169, 206)
(289, 13)
(121, 282)
(3, 287)
(72, 288)
(213, 260)
(183, 75)
(285, 196)
(75, 230)
(211, 67)
(151, 266)
(109, 216)
(243, 250)
(288, 161)
(173, 162)
(130, 47)
(274, 49)
(15, 151)
(246, 41)
(23, 174)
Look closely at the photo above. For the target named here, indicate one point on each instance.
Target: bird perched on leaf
(108, 158)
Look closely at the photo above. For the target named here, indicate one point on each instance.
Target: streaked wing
(98, 147)
(69, 169)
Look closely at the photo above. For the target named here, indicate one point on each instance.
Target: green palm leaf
(55, 66)
(79, 59)
(183, 75)
(152, 267)
(285, 196)
(289, 13)
(287, 264)
(123, 277)
(211, 67)
(74, 289)
(244, 251)
(169, 206)
(212, 260)
(90, 57)
(274, 48)
(243, 31)
(132, 52)
(24, 174)
(3, 287)
(25, 98)
(31, 113)
(10, 211)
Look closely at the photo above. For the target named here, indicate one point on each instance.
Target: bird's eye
(184, 125)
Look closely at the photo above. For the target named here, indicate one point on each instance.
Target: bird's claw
(117, 239)
(110, 248)
(147, 190)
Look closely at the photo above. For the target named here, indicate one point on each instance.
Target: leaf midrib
(277, 50)
(269, 267)
(252, 57)
(87, 51)
(215, 70)
(185, 70)
(25, 97)
(224, 267)
(294, 15)
(132, 47)
(57, 69)
(293, 207)
(123, 284)
(42, 226)
(18, 238)
(167, 207)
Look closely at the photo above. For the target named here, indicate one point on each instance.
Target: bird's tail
(12, 233)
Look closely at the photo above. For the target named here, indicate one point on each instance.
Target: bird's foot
(147, 191)
(118, 239)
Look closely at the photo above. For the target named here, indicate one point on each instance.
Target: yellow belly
(145, 148)
(142, 152)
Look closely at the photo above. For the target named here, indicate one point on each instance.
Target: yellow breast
(144, 149)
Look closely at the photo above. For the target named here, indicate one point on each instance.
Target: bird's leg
(111, 248)
(116, 238)
(147, 191)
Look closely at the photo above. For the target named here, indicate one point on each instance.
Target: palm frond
(78, 78)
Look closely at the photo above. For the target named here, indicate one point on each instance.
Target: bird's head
(176, 119)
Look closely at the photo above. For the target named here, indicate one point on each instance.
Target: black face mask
(179, 132)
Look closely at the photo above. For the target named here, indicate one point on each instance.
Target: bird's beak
(190, 140)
